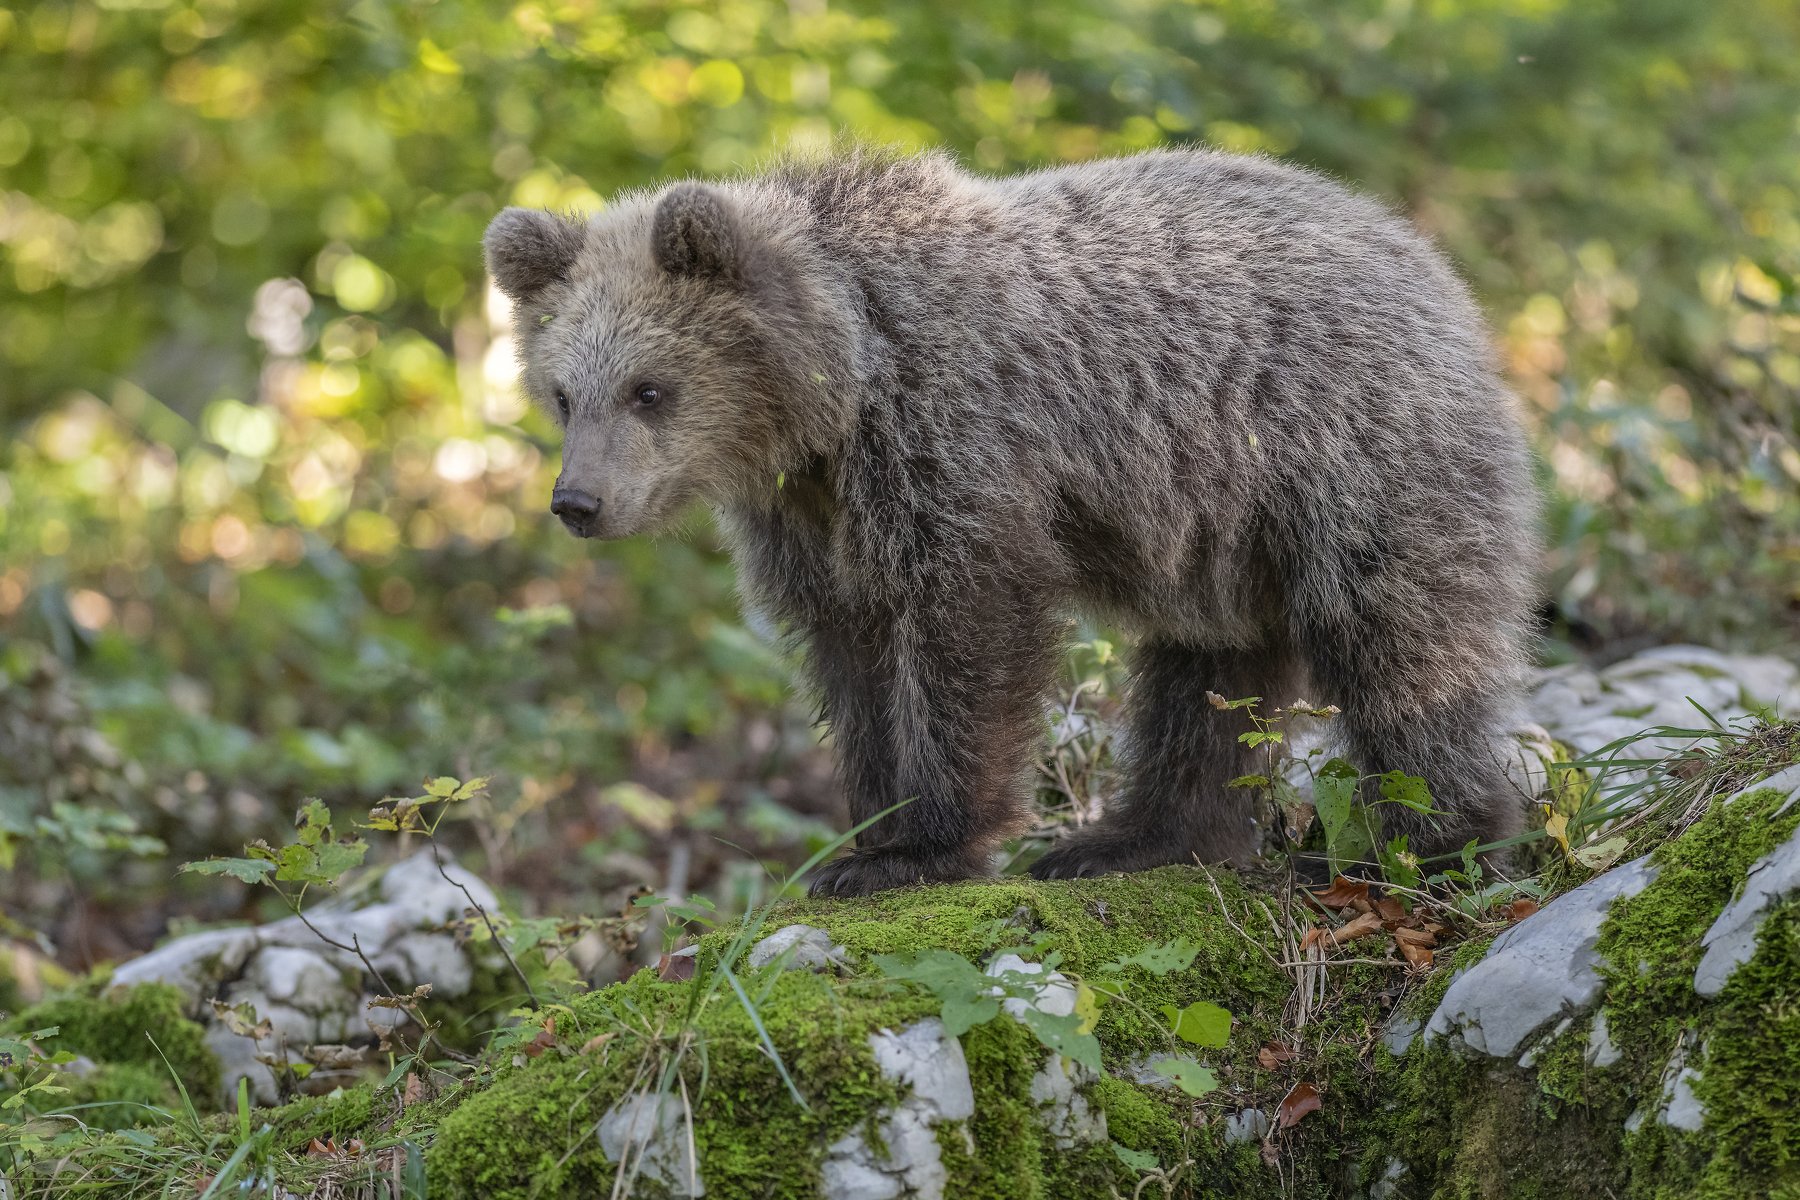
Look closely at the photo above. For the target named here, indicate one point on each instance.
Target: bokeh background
(273, 514)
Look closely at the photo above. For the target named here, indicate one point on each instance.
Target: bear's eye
(562, 403)
(648, 394)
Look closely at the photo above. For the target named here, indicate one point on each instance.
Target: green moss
(119, 1095)
(338, 1116)
(141, 1026)
(1745, 1042)
(532, 1132)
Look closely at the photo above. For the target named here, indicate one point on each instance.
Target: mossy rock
(139, 1039)
(777, 1083)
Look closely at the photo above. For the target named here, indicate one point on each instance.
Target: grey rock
(237, 1060)
(310, 990)
(1388, 1186)
(808, 947)
(909, 1161)
(304, 979)
(1051, 991)
(1587, 709)
(422, 896)
(647, 1134)
(1529, 1059)
(1247, 1125)
(930, 1062)
(1600, 1049)
(197, 963)
(1143, 1071)
(1731, 941)
(1068, 1116)
(1681, 1107)
(1540, 971)
(847, 1175)
(1400, 1032)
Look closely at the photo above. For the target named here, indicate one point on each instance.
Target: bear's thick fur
(1223, 402)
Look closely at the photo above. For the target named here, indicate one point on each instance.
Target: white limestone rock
(647, 1134)
(909, 1162)
(1731, 941)
(197, 963)
(1538, 972)
(806, 946)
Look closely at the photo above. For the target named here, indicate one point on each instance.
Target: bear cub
(1225, 403)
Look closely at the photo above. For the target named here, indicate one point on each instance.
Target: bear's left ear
(696, 234)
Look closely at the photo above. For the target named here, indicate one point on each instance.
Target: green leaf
(250, 870)
(334, 858)
(443, 787)
(470, 789)
(1063, 1035)
(963, 1013)
(1160, 958)
(1188, 1075)
(1399, 866)
(1202, 1023)
(1398, 787)
(1249, 781)
(1136, 1160)
(1334, 794)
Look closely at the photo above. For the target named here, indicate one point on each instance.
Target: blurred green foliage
(268, 486)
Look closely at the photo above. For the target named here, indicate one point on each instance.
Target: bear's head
(687, 343)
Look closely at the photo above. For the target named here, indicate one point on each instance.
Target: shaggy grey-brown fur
(1221, 401)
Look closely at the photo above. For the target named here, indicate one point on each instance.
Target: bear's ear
(696, 234)
(528, 250)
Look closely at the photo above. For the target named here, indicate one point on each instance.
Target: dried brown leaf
(1361, 926)
(1302, 1098)
(1519, 909)
(1343, 893)
(1417, 956)
(675, 968)
(1273, 1054)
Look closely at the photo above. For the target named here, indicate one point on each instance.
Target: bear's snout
(577, 509)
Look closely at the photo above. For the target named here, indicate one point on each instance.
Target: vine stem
(512, 962)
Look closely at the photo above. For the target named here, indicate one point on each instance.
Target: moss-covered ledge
(818, 1075)
(1639, 1086)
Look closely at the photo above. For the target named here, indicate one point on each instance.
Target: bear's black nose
(577, 510)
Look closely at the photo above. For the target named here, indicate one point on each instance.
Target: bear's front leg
(939, 711)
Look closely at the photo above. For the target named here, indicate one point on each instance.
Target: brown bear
(1219, 401)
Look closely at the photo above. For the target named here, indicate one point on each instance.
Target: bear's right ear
(528, 250)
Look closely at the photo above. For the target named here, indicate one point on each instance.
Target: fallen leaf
(594, 1043)
(1273, 1054)
(1414, 937)
(1390, 909)
(324, 1149)
(545, 1039)
(1313, 937)
(1361, 926)
(1602, 855)
(1302, 1098)
(675, 968)
(413, 1092)
(1557, 826)
(1519, 909)
(1416, 955)
(1343, 893)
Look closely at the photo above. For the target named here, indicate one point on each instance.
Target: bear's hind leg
(1180, 753)
(1431, 697)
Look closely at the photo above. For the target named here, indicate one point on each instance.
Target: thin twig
(437, 859)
